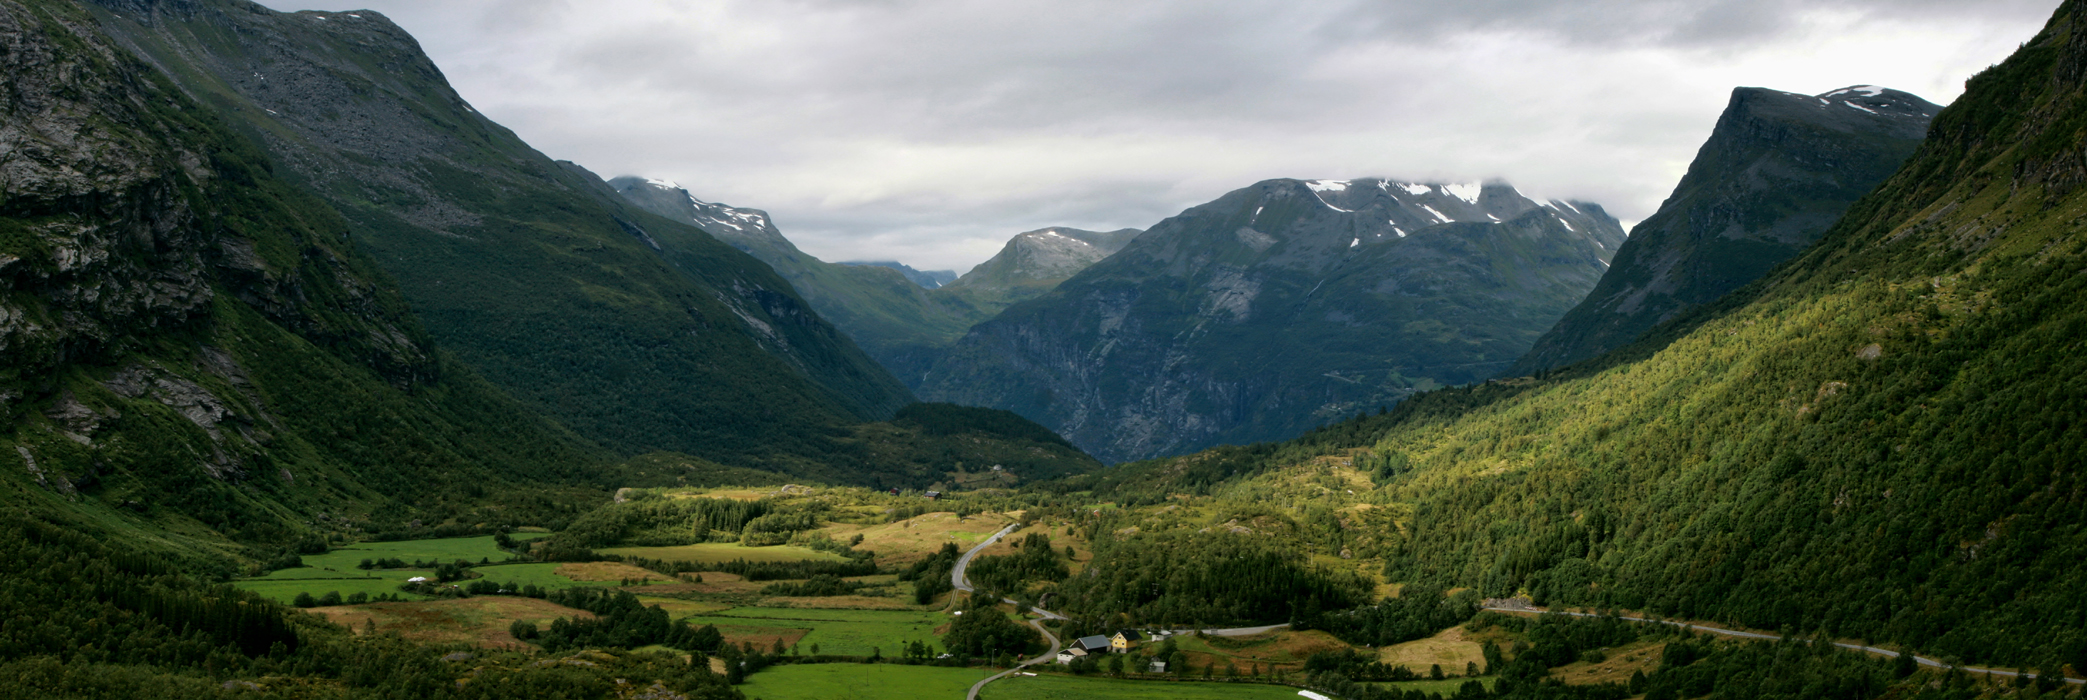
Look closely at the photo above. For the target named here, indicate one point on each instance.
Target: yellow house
(1122, 640)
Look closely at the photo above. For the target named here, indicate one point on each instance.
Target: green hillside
(1881, 440)
(637, 332)
(201, 359)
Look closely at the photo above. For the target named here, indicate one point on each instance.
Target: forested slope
(1881, 439)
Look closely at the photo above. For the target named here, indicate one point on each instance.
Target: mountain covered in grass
(1777, 170)
(1279, 307)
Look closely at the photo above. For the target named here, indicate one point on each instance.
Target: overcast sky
(930, 131)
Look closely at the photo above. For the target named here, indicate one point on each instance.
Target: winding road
(963, 583)
(1924, 661)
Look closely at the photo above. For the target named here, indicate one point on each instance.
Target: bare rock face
(95, 240)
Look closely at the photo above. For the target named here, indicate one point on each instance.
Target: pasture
(718, 552)
(337, 570)
(860, 682)
(1062, 687)
(844, 632)
(478, 621)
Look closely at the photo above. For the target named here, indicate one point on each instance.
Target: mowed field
(336, 571)
(1282, 649)
(913, 539)
(718, 552)
(845, 632)
(1060, 687)
(479, 621)
(1449, 648)
(860, 682)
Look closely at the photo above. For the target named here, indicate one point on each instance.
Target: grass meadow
(860, 682)
(1061, 687)
(715, 552)
(846, 632)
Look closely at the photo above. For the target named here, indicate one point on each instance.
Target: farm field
(1449, 648)
(1284, 648)
(846, 632)
(861, 682)
(716, 552)
(1445, 688)
(1060, 687)
(285, 590)
(478, 621)
(336, 570)
(910, 540)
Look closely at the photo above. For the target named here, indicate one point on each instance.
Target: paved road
(963, 583)
(1924, 661)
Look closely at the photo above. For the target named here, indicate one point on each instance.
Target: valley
(320, 384)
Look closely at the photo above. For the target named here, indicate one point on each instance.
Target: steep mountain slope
(887, 314)
(636, 331)
(1278, 307)
(1882, 440)
(927, 279)
(1035, 262)
(193, 351)
(1777, 170)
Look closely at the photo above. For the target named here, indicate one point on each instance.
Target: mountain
(1279, 307)
(199, 359)
(635, 331)
(1881, 439)
(1034, 262)
(927, 279)
(1777, 170)
(885, 313)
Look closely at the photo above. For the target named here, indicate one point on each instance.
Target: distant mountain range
(902, 317)
(927, 279)
(1777, 170)
(1282, 306)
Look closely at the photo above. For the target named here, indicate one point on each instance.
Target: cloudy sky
(929, 131)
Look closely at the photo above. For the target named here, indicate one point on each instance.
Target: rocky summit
(1778, 169)
(1281, 306)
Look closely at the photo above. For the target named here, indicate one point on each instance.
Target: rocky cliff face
(1281, 306)
(636, 331)
(1778, 169)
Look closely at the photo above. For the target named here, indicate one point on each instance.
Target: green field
(846, 632)
(1060, 687)
(1445, 688)
(714, 552)
(860, 682)
(336, 570)
(286, 590)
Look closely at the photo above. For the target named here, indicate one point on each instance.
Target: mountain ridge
(1776, 171)
(1171, 343)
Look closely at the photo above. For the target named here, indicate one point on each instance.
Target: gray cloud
(931, 130)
